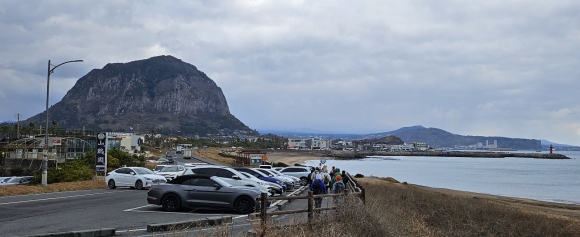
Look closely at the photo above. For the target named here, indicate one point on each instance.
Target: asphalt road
(124, 209)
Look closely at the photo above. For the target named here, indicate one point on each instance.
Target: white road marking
(138, 207)
(54, 198)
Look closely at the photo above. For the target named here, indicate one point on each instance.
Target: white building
(130, 142)
(318, 143)
(296, 143)
(492, 146)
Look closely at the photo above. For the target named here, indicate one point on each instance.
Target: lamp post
(45, 156)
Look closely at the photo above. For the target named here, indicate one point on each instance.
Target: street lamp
(45, 156)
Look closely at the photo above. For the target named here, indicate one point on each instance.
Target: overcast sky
(490, 68)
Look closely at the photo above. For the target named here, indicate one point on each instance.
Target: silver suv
(301, 172)
(229, 174)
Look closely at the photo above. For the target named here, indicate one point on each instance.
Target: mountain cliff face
(161, 93)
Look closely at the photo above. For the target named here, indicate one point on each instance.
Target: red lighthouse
(551, 147)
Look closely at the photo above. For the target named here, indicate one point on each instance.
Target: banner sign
(101, 152)
(55, 141)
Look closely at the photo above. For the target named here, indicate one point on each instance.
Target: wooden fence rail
(352, 188)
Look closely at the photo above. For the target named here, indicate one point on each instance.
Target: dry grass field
(212, 153)
(399, 209)
(57, 187)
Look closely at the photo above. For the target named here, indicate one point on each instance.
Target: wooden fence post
(362, 194)
(264, 211)
(310, 206)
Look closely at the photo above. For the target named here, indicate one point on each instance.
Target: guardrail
(352, 188)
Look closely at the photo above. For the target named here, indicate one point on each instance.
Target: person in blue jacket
(317, 187)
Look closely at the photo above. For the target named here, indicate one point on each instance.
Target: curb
(80, 233)
(210, 221)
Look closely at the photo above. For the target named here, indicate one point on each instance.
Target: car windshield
(221, 181)
(268, 172)
(14, 180)
(169, 169)
(143, 171)
(261, 173)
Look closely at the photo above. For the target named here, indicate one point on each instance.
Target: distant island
(483, 154)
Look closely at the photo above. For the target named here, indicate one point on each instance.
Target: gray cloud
(506, 68)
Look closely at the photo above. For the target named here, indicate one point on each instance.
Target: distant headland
(467, 154)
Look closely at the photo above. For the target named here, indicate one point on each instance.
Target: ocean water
(539, 179)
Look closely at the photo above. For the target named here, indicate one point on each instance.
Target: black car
(203, 192)
(170, 159)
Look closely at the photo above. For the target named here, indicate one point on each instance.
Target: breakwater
(467, 154)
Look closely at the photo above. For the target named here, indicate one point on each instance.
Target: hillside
(439, 138)
(161, 93)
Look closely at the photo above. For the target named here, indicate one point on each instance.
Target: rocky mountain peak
(161, 93)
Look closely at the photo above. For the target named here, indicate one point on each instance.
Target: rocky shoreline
(363, 154)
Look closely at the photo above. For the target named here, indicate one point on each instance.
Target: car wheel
(139, 184)
(112, 184)
(244, 205)
(303, 181)
(171, 203)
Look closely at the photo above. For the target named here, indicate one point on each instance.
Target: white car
(158, 168)
(133, 177)
(4, 179)
(296, 180)
(301, 172)
(171, 171)
(272, 187)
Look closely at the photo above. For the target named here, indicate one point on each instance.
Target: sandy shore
(566, 210)
(293, 157)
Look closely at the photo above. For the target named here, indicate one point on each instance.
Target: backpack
(326, 180)
(316, 187)
(338, 187)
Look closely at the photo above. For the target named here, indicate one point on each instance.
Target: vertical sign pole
(101, 156)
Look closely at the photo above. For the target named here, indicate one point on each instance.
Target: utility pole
(45, 156)
(18, 127)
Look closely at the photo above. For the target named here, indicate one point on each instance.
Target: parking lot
(124, 209)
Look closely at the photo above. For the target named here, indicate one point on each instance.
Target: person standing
(344, 178)
(318, 188)
(313, 174)
(310, 179)
(338, 188)
(326, 178)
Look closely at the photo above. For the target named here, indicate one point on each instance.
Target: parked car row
(204, 186)
(15, 180)
(203, 192)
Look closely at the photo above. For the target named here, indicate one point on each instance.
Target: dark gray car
(203, 192)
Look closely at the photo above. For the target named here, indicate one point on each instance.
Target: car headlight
(279, 182)
(147, 178)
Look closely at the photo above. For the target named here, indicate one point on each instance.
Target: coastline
(562, 209)
(292, 157)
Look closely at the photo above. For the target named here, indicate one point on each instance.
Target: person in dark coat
(345, 178)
